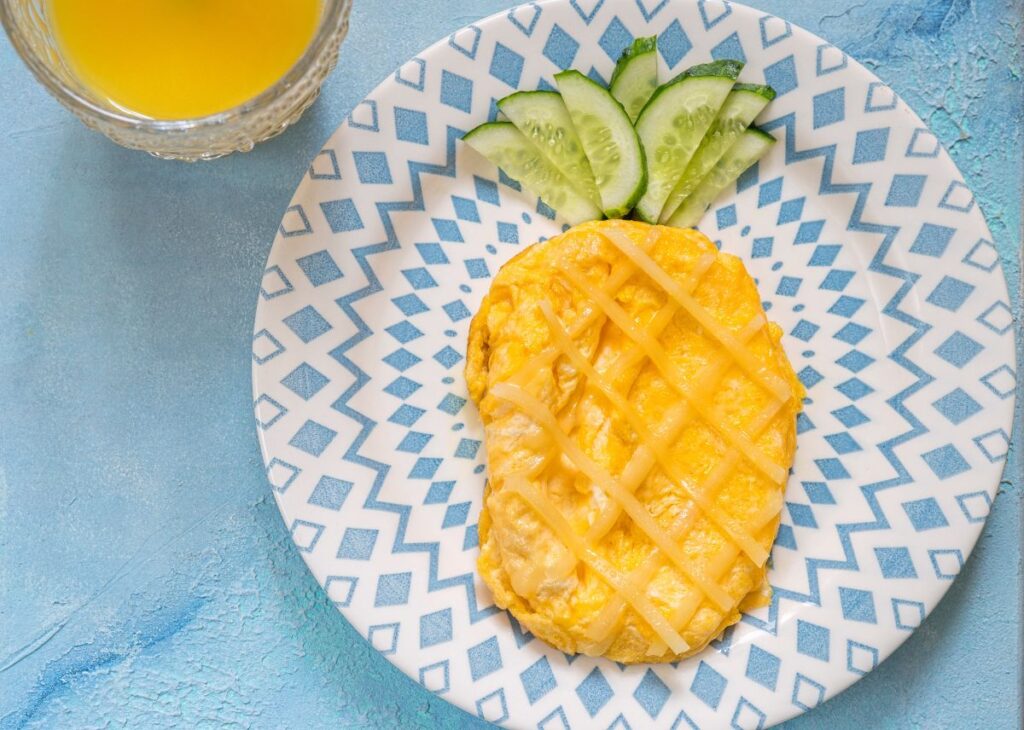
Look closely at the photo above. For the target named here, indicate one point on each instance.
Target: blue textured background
(145, 576)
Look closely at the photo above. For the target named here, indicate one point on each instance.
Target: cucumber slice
(743, 104)
(636, 75)
(673, 123)
(609, 141)
(509, 149)
(543, 118)
(749, 148)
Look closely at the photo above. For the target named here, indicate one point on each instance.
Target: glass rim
(332, 16)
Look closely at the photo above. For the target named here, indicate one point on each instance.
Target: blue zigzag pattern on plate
(400, 558)
(363, 332)
(891, 309)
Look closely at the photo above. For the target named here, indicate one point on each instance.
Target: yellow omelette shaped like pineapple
(639, 417)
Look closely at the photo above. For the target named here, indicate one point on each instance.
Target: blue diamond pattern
(770, 192)
(824, 255)
(651, 693)
(447, 230)
(762, 248)
(357, 543)
(402, 387)
(925, 514)
(730, 48)
(763, 667)
(708, 685)
(307, 324)
(305, 381)
(818, 493)
(726, 216)
(312, 438)
(404, 331)
(791, 211)
(895, 562)
(905, 191)
(957, 406)
(477, 269)
(785, 537)
(414, 442)
(788, 286)
(342, 215)
(410, 304)
(393, 589)
(456, 514)
(802, 515)
(850, 416)
(674, 44)
(561, 47)
(781, 76)
(372, 168)
(465, 209)
(829, 107)
(406, 415)
(946, 461)
(932, 240)
(456, 91)
(435, 628)
(419, 278)
(855, 361)
(843, 443)
(857, 605)
(448, 356)
(330, 493)
(812, 640)
(809, 232)
(439, 492)
(401, 359)
(411, 126)
(870, 146)
(486, 190)
(615, 38)
(319, 268)
(950, 293)
(538, 680)
(846, 306)
(432, 253)
(484, 658)
(506, 65)
(594, 692)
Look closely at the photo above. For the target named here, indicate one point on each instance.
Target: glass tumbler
(234, 130)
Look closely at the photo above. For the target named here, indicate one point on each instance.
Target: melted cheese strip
(527, 584)
(539, 414)
(621, 272)
(549, 513)
(775, 384)
(606, 622)
(647, 442)
(673, 424)
(619, 275)
(632, 355)
(668, 370)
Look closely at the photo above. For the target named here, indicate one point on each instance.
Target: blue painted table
(146, 579)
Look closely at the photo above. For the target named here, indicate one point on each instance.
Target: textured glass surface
(234, 130)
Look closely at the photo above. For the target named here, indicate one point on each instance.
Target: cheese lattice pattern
(610, 546)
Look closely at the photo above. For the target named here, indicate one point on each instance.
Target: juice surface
(177, 59)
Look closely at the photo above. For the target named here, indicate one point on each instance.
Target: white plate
(869, 250)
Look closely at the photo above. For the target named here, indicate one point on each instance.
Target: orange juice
(177, 59)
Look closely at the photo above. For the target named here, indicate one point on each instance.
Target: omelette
(640, 420)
